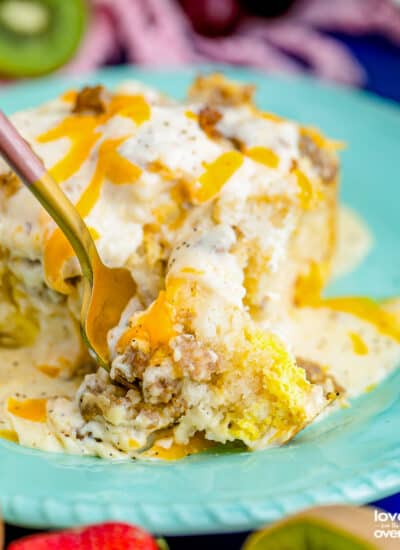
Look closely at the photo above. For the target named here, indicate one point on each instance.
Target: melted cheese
(57, 251)
(69, 96)
(49, 370)
(306, 189)
(354, 242)
(10, 435)
(367, 309)
(116, 169)
(84, 131)
(271, 116)
(359, 345)
(324, 335)
(155, 325)
(175, 451)
(34, 410)
(320, 140)
(81, 131)
(134, 107)
(112, 166)
(308, 293)
(137, 174)
(216, 175)
(264, 156)
(190, 114)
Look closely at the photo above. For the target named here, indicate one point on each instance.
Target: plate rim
(36, 511)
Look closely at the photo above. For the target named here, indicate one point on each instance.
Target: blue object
(390, 504)
(352, 456)
(380, 59)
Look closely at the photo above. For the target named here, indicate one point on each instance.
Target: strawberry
(106, 536)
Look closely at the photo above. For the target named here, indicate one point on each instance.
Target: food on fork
(226, 216)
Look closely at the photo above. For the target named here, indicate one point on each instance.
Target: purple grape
(212, 17)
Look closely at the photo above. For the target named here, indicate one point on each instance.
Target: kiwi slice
(322, 528)
(37, 36)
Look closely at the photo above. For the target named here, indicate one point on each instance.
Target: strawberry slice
(106, 536)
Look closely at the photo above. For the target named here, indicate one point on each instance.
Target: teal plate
(353, 456)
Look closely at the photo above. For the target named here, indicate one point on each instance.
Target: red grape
(212, 17)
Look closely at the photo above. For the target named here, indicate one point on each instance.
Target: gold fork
(106, 291)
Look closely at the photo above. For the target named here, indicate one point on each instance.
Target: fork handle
(31, 170)
(19, 154)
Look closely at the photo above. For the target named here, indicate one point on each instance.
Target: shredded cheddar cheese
(271, 116)
(69, 96)
(226, 221)
(51, 371)
(176, 451)
(320, 140)
(34, 410)
(192, 115)
(359, 345)
(306, 192)
(216, 175)
(111, 166)
(84, 131)
(57, 250)
(82, 134)
(10, 435)
(154, 325)
(264, 156)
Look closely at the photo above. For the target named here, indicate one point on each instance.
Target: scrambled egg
(226, 217)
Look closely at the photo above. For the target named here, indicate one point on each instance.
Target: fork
(106, 291)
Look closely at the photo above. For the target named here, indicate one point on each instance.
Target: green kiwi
(307, 535)
(321, 528)
(37, 36)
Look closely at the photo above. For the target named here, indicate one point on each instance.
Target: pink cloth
(99, 45)
(158, 33)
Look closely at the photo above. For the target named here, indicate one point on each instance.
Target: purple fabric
(158, 33)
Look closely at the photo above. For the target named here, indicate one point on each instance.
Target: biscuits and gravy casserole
(227, 218)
